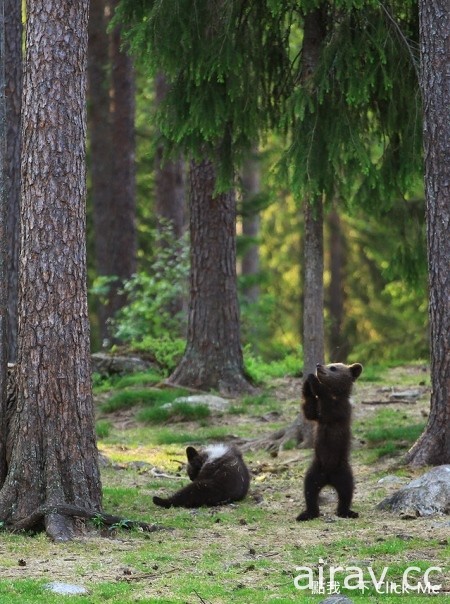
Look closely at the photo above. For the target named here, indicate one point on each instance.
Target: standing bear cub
(219, 475)
(327, 402)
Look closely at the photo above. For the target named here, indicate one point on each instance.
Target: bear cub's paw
(306, 516)
(309, 385)
(164, 503)
(348, 514)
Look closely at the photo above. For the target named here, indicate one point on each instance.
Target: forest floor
(251, 551)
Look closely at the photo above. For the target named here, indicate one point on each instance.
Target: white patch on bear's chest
(215, 452)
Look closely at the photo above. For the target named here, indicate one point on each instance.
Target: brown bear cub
(327, 402)
(219, 475)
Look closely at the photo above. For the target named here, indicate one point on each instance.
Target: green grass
(176, 412)
(388, 432)
(103, 428)
(141, 378)
(241, 554)
(167, 436)
(127, 398)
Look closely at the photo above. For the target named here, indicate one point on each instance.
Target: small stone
(336, 600)
(65, 589)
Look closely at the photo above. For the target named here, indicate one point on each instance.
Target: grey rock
(391, 480)
(336, 600)
(405, 395)
(65, 589)
(109, 364)
(424, 496)
(215, 403)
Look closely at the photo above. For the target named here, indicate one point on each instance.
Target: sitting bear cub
(219, 475)
(327, 402)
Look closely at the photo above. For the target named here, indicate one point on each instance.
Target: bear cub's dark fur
(219, 475)
(327, 402)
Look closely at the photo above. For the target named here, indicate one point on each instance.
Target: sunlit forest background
(375, 262)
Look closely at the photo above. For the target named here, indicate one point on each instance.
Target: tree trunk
(112, 112)
(336, 296)
(170, 204)
(3, 252)
(313, 331)
(123, 232)
(99, 115)
(213, 356)
(433, 447)
(54, 455)
(13, 92)
(313, 328)
(250, 226)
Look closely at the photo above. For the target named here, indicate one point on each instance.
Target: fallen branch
(275, 442)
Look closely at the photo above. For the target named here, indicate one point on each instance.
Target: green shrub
(260, 371)
(154, 296)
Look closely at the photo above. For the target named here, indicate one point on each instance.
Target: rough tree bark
(433, 447)
(54, 456)
(13, 92)
(213, 356)
(3, 251)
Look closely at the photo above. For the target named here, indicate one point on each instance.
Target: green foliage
(355, 127)
(153, 296)
(166, 350)
(260, 371)
(350, 131)
(228, 56)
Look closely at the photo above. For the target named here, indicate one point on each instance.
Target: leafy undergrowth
(249, 552)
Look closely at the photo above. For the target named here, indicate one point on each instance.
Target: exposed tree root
(275, 442)
(55, 517)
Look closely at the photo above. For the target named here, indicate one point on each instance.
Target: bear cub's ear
(191, 453)
(356, 370)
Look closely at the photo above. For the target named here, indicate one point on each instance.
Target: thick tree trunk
(13, 92)
(336, 297)
(99, 115)
(213, 356)
(433, 447)
(3, 253)
(54, 456)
